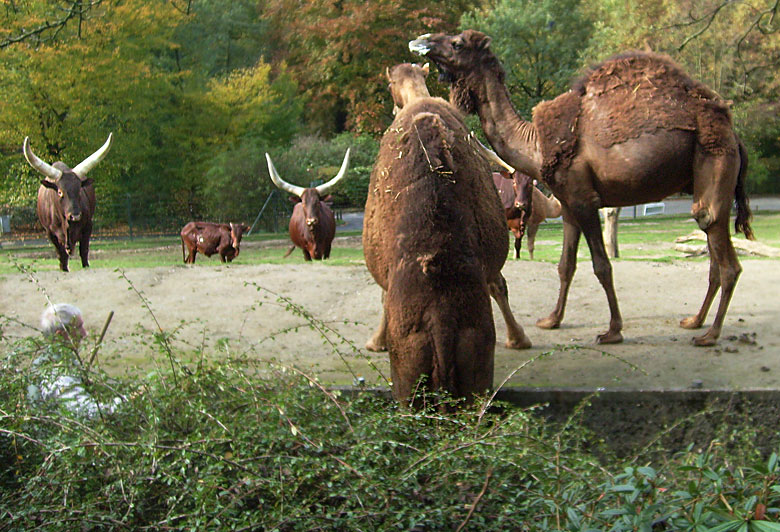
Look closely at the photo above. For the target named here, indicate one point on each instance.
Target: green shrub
(243, 444)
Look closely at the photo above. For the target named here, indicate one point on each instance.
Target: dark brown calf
(66, 202)
(312, 224)
(210, 238)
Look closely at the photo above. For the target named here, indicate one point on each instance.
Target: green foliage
(314, 160)
(539, 44)
(247, 444)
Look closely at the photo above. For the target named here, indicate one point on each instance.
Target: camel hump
(639, 92)
(436, 141)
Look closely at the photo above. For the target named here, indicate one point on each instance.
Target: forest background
(196, 91)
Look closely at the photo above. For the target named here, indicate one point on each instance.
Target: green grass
(650, 238)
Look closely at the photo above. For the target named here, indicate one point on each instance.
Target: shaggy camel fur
(435, 240)
(635, 130)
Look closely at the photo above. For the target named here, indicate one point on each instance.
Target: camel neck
(513, 138)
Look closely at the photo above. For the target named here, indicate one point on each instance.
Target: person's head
(65, 321)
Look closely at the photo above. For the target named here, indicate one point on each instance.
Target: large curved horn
(281, 183)
(490, 155)
(89, 163)
(324, 188)
(44, 168)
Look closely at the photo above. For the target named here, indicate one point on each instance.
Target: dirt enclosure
(236, 309)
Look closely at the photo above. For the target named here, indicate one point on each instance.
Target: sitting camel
(634, 130)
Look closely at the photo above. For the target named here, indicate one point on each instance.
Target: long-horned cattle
(212, 238)
(635, 129)
(435, 239)
(312, 223)
(66, 202)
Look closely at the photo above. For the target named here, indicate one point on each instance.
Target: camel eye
(457, 45)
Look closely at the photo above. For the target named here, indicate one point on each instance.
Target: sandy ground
(236, 309)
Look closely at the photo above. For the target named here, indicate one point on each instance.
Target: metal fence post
(129, 215)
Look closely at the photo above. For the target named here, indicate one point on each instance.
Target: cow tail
(292, 248)
(183, 258)
(744, 215)
(436, 141)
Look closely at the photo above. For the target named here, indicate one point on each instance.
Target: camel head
(407, 83)
(461, 59)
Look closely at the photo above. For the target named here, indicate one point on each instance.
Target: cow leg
(191, 256)
(566, 267)
(378, 341)
(531, 239)
(84, 247)
(61, 253)
(518, 240)
(515, 336)
(306, 254)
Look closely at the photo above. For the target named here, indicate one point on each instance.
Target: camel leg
(531, 239)
(722, 251)
(713, 192)
(378, 341)
(694, 322)
(591, 227)
(515, 336)
(566, 267)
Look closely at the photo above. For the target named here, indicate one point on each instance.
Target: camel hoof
(550, 322)
(691, 322)
(609, 338)
(705, 340)
(524, 343)
(376, 348)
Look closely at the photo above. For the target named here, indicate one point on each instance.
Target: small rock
(697, 383)
(765, 368)
(740, 320)
(748, 338)
(731, 349)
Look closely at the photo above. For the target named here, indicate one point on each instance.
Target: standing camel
(435, 239)
(634, 130)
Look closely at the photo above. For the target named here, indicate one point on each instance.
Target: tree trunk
(610, 230)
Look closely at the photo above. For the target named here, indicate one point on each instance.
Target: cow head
(407, 82)
(310, 197)
(236, 232)
(66, 182)
(523, 186)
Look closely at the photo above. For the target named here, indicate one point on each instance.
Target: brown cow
(312, 224)
(435, 239)
(210, 238)
(521, 220)
(66, 202)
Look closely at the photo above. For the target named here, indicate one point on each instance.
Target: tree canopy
(196, 91)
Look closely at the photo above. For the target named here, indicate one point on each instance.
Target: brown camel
(434, 238)
(634, 130)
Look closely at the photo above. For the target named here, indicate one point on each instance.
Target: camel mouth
(420, 45)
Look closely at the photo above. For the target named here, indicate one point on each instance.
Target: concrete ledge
(627, 421)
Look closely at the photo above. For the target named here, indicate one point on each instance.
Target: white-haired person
(63, 327)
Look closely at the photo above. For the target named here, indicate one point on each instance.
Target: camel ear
(484, 43)
(387, 73)
(426, 68)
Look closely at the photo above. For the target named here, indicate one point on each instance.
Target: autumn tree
(339, 50)
(540, 44)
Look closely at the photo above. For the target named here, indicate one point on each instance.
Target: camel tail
(744, 215)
